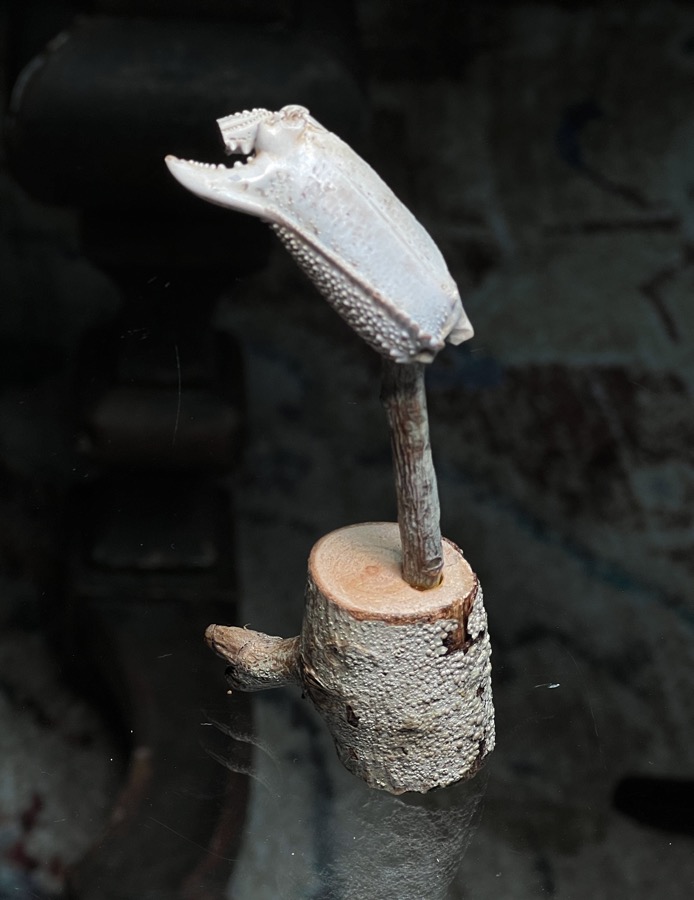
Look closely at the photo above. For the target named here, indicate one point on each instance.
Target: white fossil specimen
(364, 250)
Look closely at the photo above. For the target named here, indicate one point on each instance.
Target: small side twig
(257, 661)
(404, 398)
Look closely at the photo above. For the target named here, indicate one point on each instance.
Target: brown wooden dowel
(404, 398)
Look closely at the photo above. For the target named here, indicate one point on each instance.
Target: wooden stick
(404, 398)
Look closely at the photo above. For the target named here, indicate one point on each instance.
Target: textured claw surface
(363, 249)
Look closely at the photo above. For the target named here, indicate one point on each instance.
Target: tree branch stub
(400, 676)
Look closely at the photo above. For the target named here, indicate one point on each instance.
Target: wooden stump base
(402, 677)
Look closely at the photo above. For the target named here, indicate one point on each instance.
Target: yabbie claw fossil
(364, 251)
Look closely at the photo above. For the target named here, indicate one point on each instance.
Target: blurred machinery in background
(101, 92)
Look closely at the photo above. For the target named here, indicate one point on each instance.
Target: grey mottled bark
(400, 676)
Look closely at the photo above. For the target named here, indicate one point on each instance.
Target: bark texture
(404, 398)
(256, 661)
(402, 677)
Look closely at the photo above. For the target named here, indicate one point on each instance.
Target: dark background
(549, 149)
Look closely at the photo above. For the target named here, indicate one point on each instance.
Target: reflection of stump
(403, 848)
(401, 676)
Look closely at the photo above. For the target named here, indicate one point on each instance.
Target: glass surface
(548, 147)
(553, 813)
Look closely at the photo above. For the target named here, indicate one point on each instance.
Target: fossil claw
(363, 249)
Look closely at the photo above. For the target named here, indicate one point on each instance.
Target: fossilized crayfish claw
(363, 249)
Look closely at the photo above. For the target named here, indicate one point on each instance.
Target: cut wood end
(360, 568)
